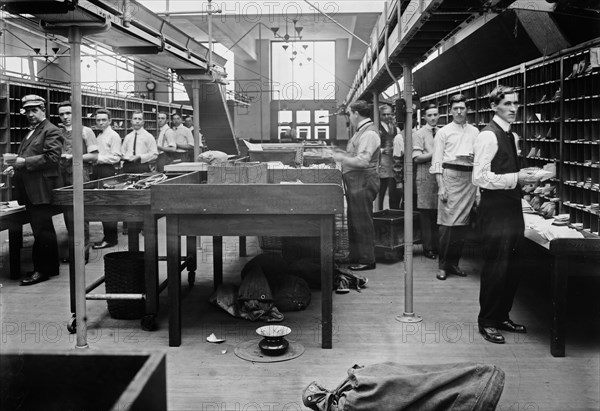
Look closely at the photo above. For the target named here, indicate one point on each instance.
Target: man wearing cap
(36, 174)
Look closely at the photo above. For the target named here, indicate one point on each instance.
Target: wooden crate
(83, 380)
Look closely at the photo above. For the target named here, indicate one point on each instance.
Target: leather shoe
(453, 269)
(103, 244)
(430, 254)
(508, 325)
(441, 275)
(491, 334)
(362, 267)
(34, 278)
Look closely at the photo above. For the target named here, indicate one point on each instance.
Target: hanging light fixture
(287, 37)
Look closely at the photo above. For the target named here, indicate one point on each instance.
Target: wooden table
(306, 210)
(563, 251)
(132, 206)
(13, 220)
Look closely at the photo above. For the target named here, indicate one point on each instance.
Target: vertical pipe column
(196, 116)
(376, 121)
(409, 315)
(78, 218)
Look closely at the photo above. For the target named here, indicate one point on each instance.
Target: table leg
(243, 252)
(151, 263)
(174, 278)
(15, 243)
(327, 225)
(133, 236)
(560, 280)
(218, 260)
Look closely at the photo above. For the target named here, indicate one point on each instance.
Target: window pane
(303, 70)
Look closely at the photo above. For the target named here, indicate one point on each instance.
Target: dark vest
(506, 159)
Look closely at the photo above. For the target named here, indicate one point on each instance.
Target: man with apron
(426, 185)
(500, 217)
(361, 182)
(452, 164)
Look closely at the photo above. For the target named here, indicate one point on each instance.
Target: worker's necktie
(134, 142)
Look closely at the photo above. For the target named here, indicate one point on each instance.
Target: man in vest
(500, 217)
(359, 169)
(390, 136)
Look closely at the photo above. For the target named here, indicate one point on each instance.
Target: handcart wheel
(148, 322)
(72, 325)
(191, 278)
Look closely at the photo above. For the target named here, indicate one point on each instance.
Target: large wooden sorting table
(298, 210)
(132, 206)
(13, 220)
(564, 251)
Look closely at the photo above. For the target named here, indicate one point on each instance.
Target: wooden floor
(203, 376)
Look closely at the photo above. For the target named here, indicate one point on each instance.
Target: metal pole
(196, 116)
(376, 121)
(409, 315)
(78, 219)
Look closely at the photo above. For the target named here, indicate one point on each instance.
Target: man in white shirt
(165, 143)
(452, 164)
(188, 121)
(90, 155)
(359, 171)
(139, 147)
(497, 173)
(183, 137)
(426, 184)
(109, 156)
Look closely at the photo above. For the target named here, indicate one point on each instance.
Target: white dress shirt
(109, 146)
(485, 149)
(451, 142)
(144, 145)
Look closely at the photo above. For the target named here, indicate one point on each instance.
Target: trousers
(44, 252)
(429, 229)
(110, 228)
(452, 240)
(361, 189)
(500, 220)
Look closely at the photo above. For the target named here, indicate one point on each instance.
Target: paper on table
(252, 146)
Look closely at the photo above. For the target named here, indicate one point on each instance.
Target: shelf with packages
(558, 122)
(14, 125)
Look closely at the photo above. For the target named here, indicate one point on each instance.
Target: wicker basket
(124, 273)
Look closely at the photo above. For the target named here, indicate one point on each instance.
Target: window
(303, 70)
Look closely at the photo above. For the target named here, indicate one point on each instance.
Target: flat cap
(31, 100)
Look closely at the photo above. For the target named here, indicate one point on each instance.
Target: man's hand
(443, 194)
(67, 156)
(339, 156)
(133, 159)
(528, 177)
(9, 171)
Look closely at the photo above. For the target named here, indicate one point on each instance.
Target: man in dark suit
(36, 174)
